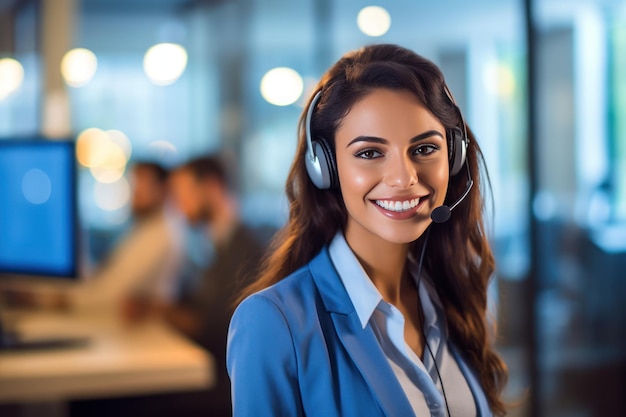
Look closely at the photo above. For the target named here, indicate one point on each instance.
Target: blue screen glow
(37, 207)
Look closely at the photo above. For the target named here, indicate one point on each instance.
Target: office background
(542, 83)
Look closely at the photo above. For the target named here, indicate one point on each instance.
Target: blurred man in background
(201, 191)
(202, 194)
(145, 263)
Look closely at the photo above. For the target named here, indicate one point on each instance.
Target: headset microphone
(442, 213)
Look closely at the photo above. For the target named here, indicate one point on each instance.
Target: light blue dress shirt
(419, 379)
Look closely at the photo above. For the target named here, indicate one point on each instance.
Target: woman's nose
(401, 173)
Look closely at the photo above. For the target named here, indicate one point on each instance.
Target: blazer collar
(361, 344)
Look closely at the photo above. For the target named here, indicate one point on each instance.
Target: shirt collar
(364, 296)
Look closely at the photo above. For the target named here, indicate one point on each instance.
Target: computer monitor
(38, 220)
(38, 208)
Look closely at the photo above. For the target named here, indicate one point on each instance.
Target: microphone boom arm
(470, 183)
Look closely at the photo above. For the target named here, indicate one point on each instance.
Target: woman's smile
(399, 209)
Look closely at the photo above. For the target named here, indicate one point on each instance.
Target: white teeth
(398, 205)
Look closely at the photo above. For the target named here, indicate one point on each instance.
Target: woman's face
(392, 161)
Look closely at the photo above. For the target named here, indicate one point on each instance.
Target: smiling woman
(366, 316)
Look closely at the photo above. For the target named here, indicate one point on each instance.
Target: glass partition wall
(577, 208)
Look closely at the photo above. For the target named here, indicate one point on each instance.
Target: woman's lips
(399, 209)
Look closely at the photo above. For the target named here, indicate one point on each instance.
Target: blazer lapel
(361, 344)
(482, 406)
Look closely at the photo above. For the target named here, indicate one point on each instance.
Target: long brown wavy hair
(458, 256)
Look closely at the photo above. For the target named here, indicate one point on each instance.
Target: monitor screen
(38, 209)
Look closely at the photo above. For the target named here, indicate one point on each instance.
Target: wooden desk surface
(118, 360)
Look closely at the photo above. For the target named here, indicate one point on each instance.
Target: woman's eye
(368, 154)
(425, 149)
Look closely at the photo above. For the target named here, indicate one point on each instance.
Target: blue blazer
(298, 349)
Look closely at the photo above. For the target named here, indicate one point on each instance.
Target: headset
(320, 157)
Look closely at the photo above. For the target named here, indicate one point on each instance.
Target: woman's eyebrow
(425, 135)
(376, 139)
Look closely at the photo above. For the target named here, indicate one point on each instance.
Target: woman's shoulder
(291, 298)
(286, 289)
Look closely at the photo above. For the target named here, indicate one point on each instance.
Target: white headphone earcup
(314, 169)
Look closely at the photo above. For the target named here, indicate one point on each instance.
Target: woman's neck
(385, 263)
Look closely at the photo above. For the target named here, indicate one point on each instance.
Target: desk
(147, 358)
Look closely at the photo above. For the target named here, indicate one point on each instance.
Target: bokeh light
(282, 86)
(112, 196)
(105, 153)
(164, 63)
(121, 139)
(11, 76)
(499, 79)
(91, 147)
(112, 167)
(164, 151)
(374, 21)
(78, 67)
